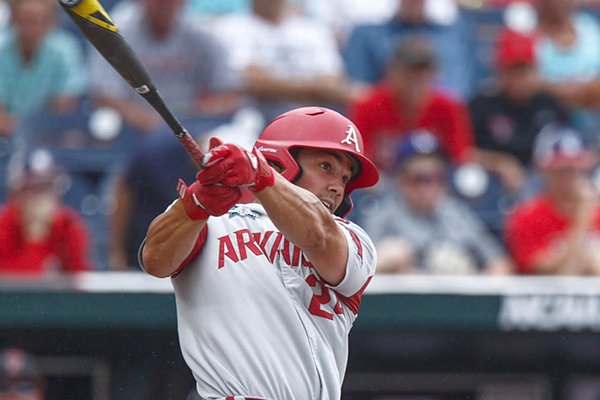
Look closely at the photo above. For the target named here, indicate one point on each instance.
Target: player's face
(325, 173)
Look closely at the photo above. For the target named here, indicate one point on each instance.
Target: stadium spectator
(569, 41)
(217, 7)
(557, 231)
(418, 228)
(370, 47)
(498, 3)
(38, 233)
(343, 15)
(20, 376)
(41, 66)
(408, 100)
(186, 62)
(286, 60)
(568, 49)
(4, 14)
(508, 115)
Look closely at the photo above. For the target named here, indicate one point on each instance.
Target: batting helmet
(318, 128)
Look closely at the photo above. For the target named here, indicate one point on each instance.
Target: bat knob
(69, 3)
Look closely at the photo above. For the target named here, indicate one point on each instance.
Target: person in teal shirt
(568, 50)
(218, 7)
(41, 66)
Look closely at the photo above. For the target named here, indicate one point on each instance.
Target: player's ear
(214, 142)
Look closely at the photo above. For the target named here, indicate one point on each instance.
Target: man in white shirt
(287, 60)
(184, 59)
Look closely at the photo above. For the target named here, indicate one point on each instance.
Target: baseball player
(266, 293)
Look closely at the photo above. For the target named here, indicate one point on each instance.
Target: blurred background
(483, 117)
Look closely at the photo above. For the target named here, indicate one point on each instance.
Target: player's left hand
(232, 165)
(201, 201)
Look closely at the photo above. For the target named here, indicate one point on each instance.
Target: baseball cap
(415, 52)
(560, 146)
(17, 364)
(514, 48)
(418, 143)
(32, 168)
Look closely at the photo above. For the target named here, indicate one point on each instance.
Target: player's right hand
(232, 165)
(201, 201)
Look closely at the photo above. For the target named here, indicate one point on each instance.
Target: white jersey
(254, 317)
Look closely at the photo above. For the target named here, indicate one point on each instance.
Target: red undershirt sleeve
(198, 246)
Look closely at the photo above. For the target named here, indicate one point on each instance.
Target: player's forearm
(170, 239)
(302, 219)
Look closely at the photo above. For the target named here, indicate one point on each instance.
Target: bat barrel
(101, 31)
(155, 100)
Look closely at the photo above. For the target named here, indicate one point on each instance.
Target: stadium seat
(5, 152)
(485, 25)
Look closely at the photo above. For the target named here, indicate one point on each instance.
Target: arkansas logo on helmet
(319, 128)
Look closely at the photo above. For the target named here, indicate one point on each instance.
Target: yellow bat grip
(91, 10)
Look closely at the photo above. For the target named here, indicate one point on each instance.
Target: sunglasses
(425, 179)
(38, 187)
(18, 385)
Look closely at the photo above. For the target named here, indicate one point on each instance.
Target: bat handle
(191, 146)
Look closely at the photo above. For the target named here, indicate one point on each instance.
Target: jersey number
(317, 301)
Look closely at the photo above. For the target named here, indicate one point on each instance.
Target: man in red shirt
(408, 101)
(38, 234)
(558, 232)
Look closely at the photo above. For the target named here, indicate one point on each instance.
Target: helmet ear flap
(298, 175)
(294, 153)
(345, 207)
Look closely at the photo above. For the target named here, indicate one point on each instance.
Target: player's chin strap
(345, 207)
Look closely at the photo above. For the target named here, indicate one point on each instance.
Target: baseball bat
(101, 31)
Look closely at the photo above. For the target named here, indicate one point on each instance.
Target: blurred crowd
(482, 116)
(21, 377)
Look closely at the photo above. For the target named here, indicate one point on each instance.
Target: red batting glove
(201, 201)
(232, 165)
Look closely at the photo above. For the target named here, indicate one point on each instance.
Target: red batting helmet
(319, 128)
